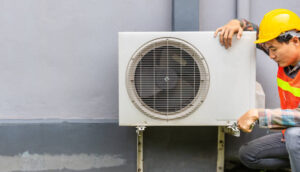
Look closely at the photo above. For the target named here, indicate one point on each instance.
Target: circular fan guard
(167, 78)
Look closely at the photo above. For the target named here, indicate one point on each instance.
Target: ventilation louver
(167, 78)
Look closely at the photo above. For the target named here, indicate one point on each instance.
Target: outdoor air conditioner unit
(184, 79)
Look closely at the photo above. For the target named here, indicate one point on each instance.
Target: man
(278, 37)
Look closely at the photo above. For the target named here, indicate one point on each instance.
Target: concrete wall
(58, 62)
(59, 58)
(67, 147)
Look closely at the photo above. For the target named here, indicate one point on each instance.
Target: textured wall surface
(67, 147)
(104, 147)
(58, 59)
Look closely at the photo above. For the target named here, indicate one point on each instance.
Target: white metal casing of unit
(232, 76)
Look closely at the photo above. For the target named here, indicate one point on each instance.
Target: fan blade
(182, 95)
(171, 57)
(172, 100)
(145, 82)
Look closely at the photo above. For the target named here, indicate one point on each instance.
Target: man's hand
(245, 122)
(227, 31)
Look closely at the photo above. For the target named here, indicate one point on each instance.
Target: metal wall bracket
(233, 130)
(221, 149)
(140, 160)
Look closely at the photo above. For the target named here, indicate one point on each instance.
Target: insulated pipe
(243, 9)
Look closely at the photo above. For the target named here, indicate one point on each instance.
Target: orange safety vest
(289, 90)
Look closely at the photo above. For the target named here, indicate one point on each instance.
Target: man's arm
(237, 26)
(279, 118)
(270, 118)
(234, 26)
(248, 26)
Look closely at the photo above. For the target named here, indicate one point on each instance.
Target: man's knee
(292, 137)
(246, 157)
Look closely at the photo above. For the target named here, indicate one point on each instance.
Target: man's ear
(296, 40)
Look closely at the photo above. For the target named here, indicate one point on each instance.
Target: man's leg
(292, 138)
(267, 152)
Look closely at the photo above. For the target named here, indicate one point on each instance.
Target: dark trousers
(267, 152)
(270, 152)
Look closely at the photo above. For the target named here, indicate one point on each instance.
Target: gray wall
(58, 59)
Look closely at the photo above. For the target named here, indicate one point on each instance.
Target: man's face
(284, 54)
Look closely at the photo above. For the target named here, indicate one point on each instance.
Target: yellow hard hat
(276, 22)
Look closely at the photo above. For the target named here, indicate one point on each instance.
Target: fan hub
(165, 78)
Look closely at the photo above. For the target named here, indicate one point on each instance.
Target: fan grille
(168, 78)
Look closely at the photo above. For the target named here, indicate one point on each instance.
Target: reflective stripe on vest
(287, 87)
